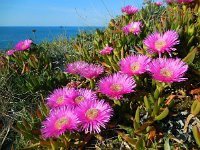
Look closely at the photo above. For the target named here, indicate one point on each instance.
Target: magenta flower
(158, 3)
(76, 67)
(76, 97)
(134, 64)
(59, 120)
(93, 115)
(107, 50)
(168, 70)
(57, 98)
(133, 27)
(116, 85)
(158, 43)
(129, 10)
(84, 69)
(10, 52)
(91, 71)
(23, 45)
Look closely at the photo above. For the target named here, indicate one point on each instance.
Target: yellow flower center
(166, 72)
(135, 66)
(23, 46)
(116, 87)
(60, 123)
(92, 113)
(132, 29)
(79, 99)
(60, 100)
(159, 44)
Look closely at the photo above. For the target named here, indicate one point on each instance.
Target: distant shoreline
(10, 35)
(56, 26)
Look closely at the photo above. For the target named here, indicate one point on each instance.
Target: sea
(9, 36)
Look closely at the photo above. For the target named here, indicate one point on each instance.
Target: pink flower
(93, 115)
(160, 43)
(116, 85)
(59, 120)
(133, 27)
(91, 71)
(23, 45)
(134, 64)
(57, 98)
(84, 69)
(129, 10)
(106, 50)
(168, 70)
(158, 3)
(10, 52)
(76, 67)
(76, 97)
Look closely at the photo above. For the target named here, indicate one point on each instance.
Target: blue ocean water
(9, 36)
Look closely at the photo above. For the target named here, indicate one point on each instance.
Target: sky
(61, 12)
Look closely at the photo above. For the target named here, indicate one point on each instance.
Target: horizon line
(51, 26)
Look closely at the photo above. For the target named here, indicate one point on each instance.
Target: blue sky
(61, 12)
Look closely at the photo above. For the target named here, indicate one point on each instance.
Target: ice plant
(168, 70)
(76, 96)
(134, 64)
(76, 67)
(57, 98)
(133, 27)
(59, 120)
(158, 3)
(23, 45)
(160, 43)
(116, 85)
(107, 50)
(10, 52)
(91, 71)
(129, 10)
(93, 115)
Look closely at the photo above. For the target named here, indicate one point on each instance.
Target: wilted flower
(160, 43)
(76, 67)
(168, 70)
(59, 120)
(93, 115)
(57, 98)
(23, 45)
(129, 10)
(134, 64)
(107, 50)
(184, 1)
(179, 1)
(133, 27)
(116, 85)
(169, 1)
(10, 52)
(158, 3)
(73, 84)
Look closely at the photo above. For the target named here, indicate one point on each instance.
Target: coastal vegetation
(134, 85)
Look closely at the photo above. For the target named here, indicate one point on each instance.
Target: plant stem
(92, 84)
